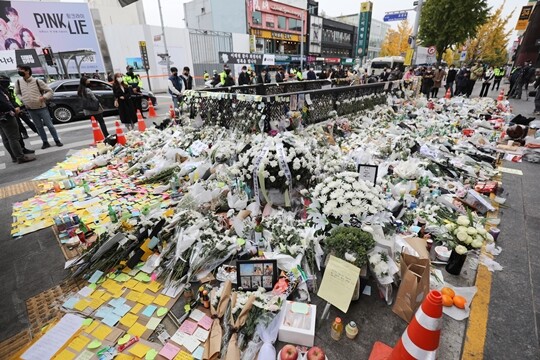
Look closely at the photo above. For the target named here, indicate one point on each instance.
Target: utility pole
(302, 44)
(414, 44)
(164, 39)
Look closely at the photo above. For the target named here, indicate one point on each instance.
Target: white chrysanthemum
(460, 249)
(463, 220)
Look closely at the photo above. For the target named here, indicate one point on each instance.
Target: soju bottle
(259, 240)
(112, 214)
(86, 187)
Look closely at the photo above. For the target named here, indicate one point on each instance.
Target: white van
(379, 63)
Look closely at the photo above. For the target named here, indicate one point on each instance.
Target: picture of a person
(245, 282)
(13, 25)
(12, 44)
(267, 282)
(268, 270)
(3, 33)
(28, 39)
(257, 270)
(256, 281)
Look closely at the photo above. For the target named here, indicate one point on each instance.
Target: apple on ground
(316, 353)
(289, 352)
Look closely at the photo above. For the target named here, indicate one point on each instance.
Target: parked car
(68, 106)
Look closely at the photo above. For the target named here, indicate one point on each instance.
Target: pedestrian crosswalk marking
(16, 189)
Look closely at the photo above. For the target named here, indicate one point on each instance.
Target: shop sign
(364, 25)
(524, 16)
(276, 35)
(332, 60)
(347, 61)
(226, 57)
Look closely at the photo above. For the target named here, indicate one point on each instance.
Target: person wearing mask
(462, 79)
(372, 78)
(408, 77)
(528, 77)
(136, 97)
(263, 78)
(215, 79)
(187, 79)
(9, 128)
(438, 78)
(498, 74)
(486, 81)
(226, 78)
(477, 72)
(91, 105)
(323, 75)
(311, 74)
(451, 79)
(132, 79)
(176, 87)
(243, 78)
(34, 94)
(298, 74)
(280, 75)
(206, 76)
(122, 96)
(427, 81)
(96, 75)
(515, 75)
(385, 75)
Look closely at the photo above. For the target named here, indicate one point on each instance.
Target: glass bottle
(112, 214)
(206, 299)
(259, 240)
(337, 329)
(351, 330)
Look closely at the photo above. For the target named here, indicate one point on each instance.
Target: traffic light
(49, 57)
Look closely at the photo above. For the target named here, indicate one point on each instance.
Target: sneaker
(45, 145)
(58, 143)
(28, 151)
(25, 159)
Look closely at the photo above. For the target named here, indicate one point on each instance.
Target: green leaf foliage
(350, 240)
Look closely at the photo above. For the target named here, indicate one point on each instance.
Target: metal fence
(205, 47)
(250, 112)
(280, 88)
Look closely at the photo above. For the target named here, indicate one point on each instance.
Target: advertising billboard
(315, 34)
(62, 26)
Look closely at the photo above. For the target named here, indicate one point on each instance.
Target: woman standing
(427, 81)
(437, 81)
(122, 95)
(486, 81)
(91, 105)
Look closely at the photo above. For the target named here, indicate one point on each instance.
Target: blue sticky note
(117, 302)
(111, 319)
(198, 354)
(97, 275)
(122, 310)
(149, 310)
(104, 311)
(70, 303)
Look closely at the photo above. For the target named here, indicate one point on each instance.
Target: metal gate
(205, 46)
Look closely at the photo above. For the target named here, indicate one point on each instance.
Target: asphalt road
(74, 135)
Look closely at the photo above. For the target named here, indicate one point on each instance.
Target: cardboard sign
(339, 280)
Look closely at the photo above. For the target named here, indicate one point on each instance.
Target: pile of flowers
(463, 233)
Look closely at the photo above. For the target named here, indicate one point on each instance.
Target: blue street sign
(399, 16)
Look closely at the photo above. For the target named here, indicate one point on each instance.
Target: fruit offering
(449, 298)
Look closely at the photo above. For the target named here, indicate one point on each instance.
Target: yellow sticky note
(118, 293)
(136, 309)
(107, 284)
(146, 299)
(130, 284)
(182, 355)
(133, 296)
(123, 357)
(128, 320)
(91, 327)
(95, 303)
(154, 286)
(101, 332)
(81, 304)
(106, 297)
(79, 343)
(97, 294)
(139, 350)
(65, 355)
(161, 300)
(140, 287)
(137, 329)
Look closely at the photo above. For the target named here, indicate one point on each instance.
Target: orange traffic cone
(98, 135)
(172, 113)
(447, 95)
(421, 338)
(151, 110)
(120, 138)
(501, 95)
(140, 122)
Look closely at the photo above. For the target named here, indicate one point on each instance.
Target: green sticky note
(92, 286)
(142, 277)
(240, 241)
(124, 339)
(161, 311)
(151, 354)
(187, 308)
(87, 321)
(300, 308)
(122, 277)
(111, 275)
(220, 184)
(94, 344)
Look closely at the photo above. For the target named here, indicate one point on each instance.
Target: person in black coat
(451, 79)
(124, 103)
(427, 81)
(311, 74)
(243, 78)
(263, 78)
(280, 75)
(462, 79)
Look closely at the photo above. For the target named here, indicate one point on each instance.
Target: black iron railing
(280, 88)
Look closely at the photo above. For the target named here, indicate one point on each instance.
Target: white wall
(123, 42)
(240, 42)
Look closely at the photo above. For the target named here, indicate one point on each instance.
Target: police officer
(499, 74)
(206, 76)
(132, 79)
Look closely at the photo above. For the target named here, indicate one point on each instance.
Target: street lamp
(167, 57)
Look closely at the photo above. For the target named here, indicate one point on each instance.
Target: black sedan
(68, 106)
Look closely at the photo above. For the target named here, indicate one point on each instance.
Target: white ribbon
(256, 165)
(285, 168)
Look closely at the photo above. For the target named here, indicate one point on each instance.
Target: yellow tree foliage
(396, 42)
(491, 40)
(448, 56)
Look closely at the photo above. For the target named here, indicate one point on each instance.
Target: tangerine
(460, 301)
(447, 300)
(448, 291)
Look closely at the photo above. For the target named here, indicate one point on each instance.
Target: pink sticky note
(206, 322)
(169, 351)
(188, 327)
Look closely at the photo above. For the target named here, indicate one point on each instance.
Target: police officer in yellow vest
(499, 74)
(132, 79)
(206, 76)
(298, 74)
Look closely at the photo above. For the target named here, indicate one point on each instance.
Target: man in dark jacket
(280, 75)
(9, 128)
(176, 87)
(462, 79)
(243, 78)
(188, 79)
(263, 77)
(311, 74)
(450, 79)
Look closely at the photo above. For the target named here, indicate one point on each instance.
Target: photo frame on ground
(368, 173)
(252, 274)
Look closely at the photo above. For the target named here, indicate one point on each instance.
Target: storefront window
(259, 45)
(295, 25)
(281, 22)
(257, 17)
(269, 46)
(269, 24)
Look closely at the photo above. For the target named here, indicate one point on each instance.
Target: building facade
(276, 28)
(377, 34)
(338, 39)
(216, 15)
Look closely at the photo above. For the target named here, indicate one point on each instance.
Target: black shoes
(45, 145)
(58, 143)
(28, 151)
(25, 136)
(25, 159)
